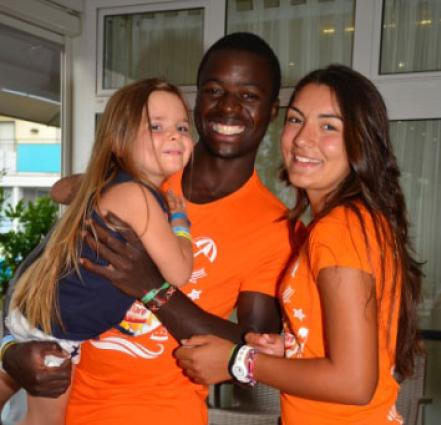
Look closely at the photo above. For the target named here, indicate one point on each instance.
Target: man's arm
(130, 267)
(65, 189)
(24, 362)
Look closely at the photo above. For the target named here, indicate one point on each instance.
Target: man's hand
(24, 362)
(131, 269)
(204, 358)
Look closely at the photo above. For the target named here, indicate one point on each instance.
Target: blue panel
(39, 158)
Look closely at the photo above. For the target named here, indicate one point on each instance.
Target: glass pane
(269, 160)
(305, 34)
(411, 36)
(30, 160)
(167, 44)
(417, 146)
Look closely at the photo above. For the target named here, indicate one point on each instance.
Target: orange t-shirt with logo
(241, 243)
(338, 240)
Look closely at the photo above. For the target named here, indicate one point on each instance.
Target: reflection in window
(305, 34)
(417, 146)
(269, 160)
(166, 44)
(411, 36)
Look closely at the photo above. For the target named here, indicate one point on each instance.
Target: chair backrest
(260, 398)
(412, 392)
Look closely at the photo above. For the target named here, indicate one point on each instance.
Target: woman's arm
(348, 372)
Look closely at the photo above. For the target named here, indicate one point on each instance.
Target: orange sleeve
(338, 241)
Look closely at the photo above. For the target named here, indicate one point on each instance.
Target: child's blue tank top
(92, 305)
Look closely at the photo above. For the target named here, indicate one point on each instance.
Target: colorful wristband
(180, 215)
(160, 299)
(153, 292)
(7, 341)
(177, 229)
(182, 234)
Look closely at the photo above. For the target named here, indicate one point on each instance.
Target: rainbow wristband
(148, 296)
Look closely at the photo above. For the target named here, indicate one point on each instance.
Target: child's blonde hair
(35, 291)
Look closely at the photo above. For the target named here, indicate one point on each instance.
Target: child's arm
(181, 227)
(136, 205)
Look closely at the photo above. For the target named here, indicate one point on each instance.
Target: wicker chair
(411, 396)
(258, 405)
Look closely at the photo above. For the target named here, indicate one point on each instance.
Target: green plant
(31, 222)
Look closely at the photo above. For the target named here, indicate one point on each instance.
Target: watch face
(239, 372)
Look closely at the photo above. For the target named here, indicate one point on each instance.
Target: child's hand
(176, 205)
(272, 344)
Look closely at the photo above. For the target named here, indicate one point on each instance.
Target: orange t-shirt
(240, 244)
(337, 240)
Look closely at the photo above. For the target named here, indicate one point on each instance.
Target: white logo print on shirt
(206, 247)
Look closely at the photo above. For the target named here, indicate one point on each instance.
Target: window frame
(66, 74)
(211, 31)
(407, 95)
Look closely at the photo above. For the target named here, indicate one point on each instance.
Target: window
(417, 145)
(411, 36)
(305, 34)
(7, 146)
(269, 161)
(166, 44)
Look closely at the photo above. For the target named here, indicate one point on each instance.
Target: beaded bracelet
(148, 296)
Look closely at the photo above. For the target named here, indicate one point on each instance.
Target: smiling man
(241, 245)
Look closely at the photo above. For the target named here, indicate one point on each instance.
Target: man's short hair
(247, 42)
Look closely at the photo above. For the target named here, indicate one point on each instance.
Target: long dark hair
(373, 181)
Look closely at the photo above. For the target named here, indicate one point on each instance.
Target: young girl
(349, 298)
(144, 137)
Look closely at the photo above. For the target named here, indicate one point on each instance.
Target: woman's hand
(204, 358)
(272, 344)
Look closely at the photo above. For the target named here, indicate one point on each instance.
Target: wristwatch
(242, 365)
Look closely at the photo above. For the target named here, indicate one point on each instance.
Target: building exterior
(30, 160)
